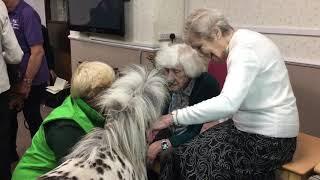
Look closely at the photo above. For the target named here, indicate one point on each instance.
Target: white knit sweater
(257, 92)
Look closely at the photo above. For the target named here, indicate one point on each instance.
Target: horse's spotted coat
(106, 165)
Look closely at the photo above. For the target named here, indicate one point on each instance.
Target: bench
(305, 159)
(317, 169)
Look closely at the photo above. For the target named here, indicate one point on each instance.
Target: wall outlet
(166, 36)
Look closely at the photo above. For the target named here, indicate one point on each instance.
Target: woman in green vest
(65, 125)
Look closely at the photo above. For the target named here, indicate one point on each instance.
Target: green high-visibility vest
(39, 158)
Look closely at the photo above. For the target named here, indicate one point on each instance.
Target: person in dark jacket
(189, 84)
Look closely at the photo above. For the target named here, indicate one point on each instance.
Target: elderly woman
(188, 84)
(66, 124)
(257, 96)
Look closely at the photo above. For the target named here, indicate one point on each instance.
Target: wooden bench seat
(306, 157)
(317, 169)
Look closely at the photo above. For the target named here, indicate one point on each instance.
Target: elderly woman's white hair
(90, 78)
(206, 23)
(181, 54)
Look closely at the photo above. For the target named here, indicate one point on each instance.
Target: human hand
(208, 125)
(164, 122)
(23, 88)
(151, 135)
(16, 102)
(153, 150)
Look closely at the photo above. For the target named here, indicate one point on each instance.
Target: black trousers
(31, 112)
(4, 137)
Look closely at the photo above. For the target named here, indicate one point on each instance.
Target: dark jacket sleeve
(204, 88)
(192, 131)
(62, 135)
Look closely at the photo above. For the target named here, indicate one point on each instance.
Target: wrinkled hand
(151, 135)
(164, 122)
(208, 125)
(153, 151)
(16, 102)
(22, 89)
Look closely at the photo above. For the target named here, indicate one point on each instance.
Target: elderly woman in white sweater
(257, 97)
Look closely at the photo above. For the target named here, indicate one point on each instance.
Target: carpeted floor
(23, 137)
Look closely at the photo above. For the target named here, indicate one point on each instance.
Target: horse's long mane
(130, 105)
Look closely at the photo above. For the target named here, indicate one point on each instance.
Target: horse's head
(130, 106)
(137, 97)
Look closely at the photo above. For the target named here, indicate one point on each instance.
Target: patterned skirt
(225, 153)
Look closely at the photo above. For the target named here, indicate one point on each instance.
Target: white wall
(146, 19)
(270, 13)
(279, 18)
(169, 17)
(139, 21)
(292, 24)
(39, 6)
(295, 27)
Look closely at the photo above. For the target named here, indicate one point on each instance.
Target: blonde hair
(181, 54)
(206, 23)
(90, 78)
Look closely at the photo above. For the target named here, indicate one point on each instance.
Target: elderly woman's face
(209, 49)
(177, 78)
